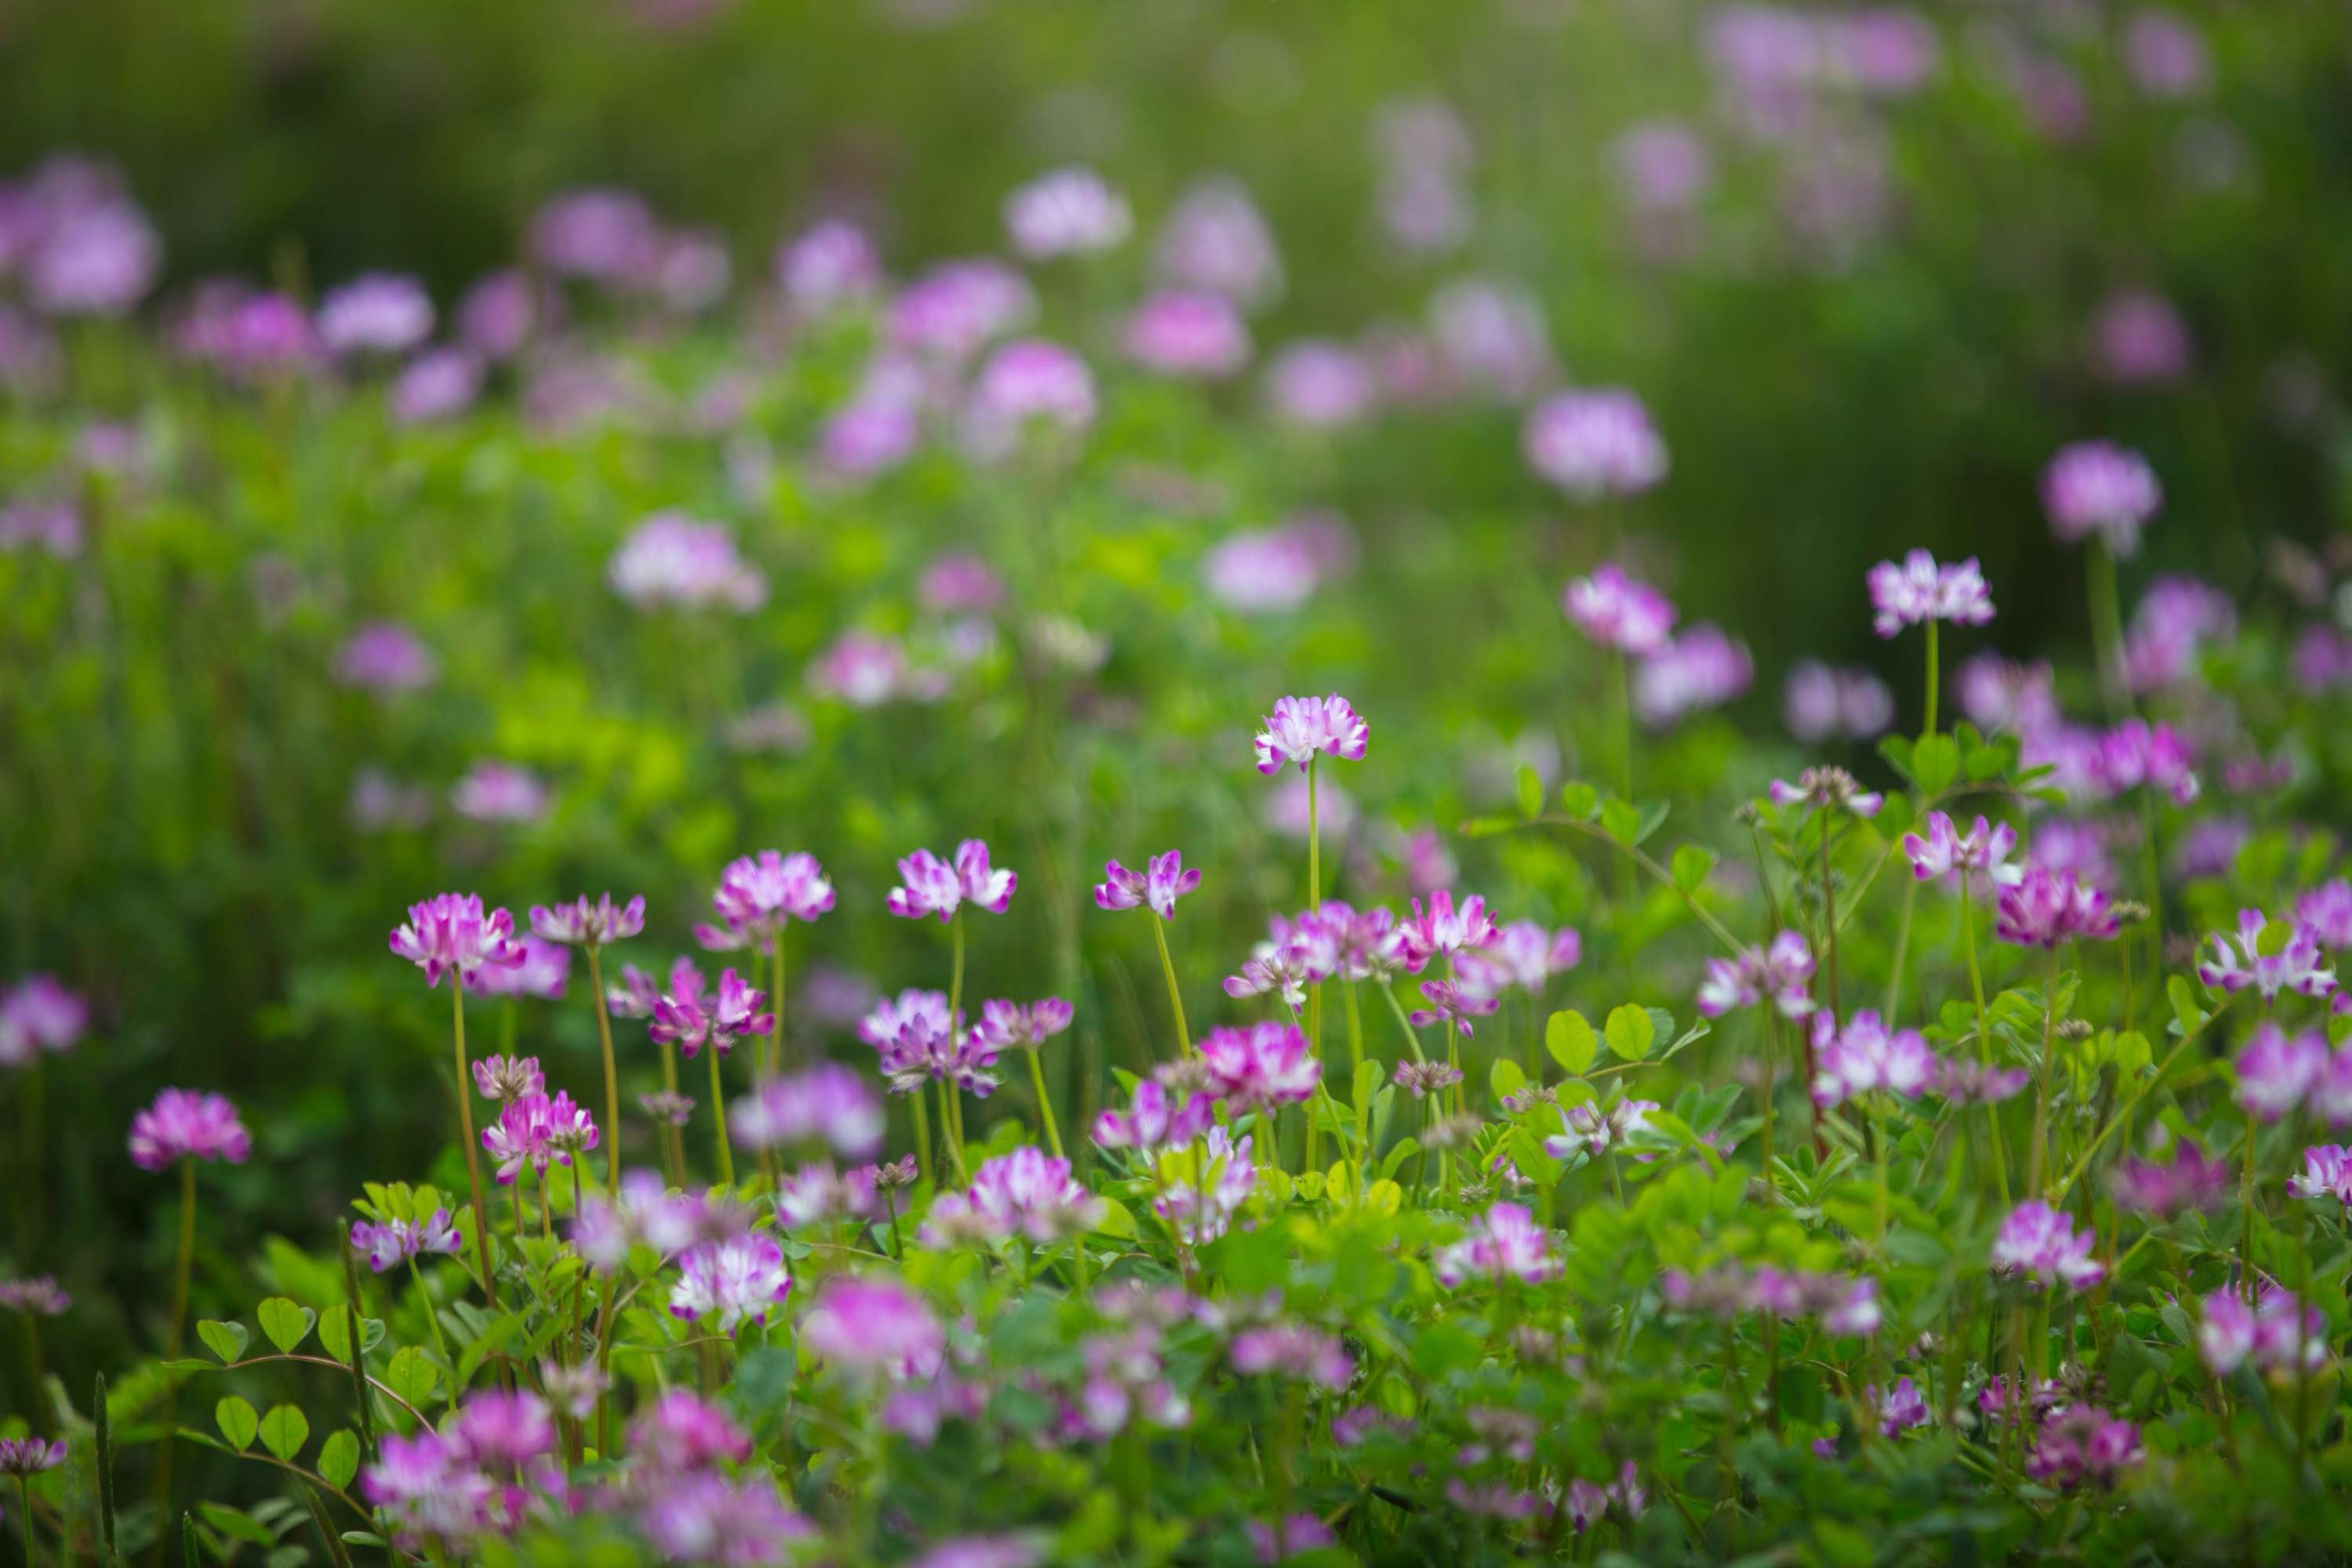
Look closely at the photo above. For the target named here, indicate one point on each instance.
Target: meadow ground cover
(995, 911)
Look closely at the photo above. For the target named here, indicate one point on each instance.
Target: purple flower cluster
(2097, 487)
(2239, 964)
(36, 1014)
(187, 1124)
(1918, 591)
(537, 1131)
(2040, 1246)
(929, 886)
(1301, 728)
(759, 895)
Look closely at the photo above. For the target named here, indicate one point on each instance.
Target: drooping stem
(1175, 996)
(612, 1078)
(465, 1130)
(1045, 1101)
(719, 1120)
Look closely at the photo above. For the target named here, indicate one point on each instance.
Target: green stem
(1403, 1023)
(948, 1131)
(719, 1119)
(776, 1038)
(465, 1130)
(2106, 625)
(922, 1133)
(612, 1079)
(1175, 996)
(1933, 682)
(1984, 1038)
(1044, 1101)
(433, 1321)
(2035, 1153)
(182, 1265)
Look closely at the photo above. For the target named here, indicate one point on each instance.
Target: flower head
(2097, 487)
(2277, 1071)
(1010, 1025)
(1782, 973)
(1618, 611)
(1260, 1065)
(1703, 667)
(187, 1124)
(2079, 1445)
(387, 1244)
(1596, 1129)
(1867, 1056)
(2191, 1180)
(1027, 1193)
(1201, 1202)
(385, 656)
(508, 1078)
(1300, 728)
(1522, 955)
(378, 313)
(449, 934)
(544, 972)
(584, 922)
(2239, 964)
(37, 1297)
(1155, 1119)
(1198, 336)
(1900, 1408)
(1594, 443)
(1166, 880)
(1827, 789)
(1984, 848)
(736, 1278)
(1505, 1243)
(759, 894)
(23, 1457)
(39, 1014)
(1069, 212)
(1919, 590)
(673, 561)
(929, 886)
(538, 1131)
(2041, 1245)
(874, 1326)
(828, 1104)
(2045, 907)
(1452, 1003)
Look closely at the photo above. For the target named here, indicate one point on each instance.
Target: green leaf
(335, 1332)
(225, 1341)
(1897, 752)
(238, 1423)
(2132, 1053)
(338, 1457)
(495, 1336)
(1653, 816)
(237, 1524)
(1571, 1041)
(284, 1431)
(410, 1376)
(287, 1323)
(1630, 1031)
(1531, 792)
(1936, 763)
(1622, 821)
(103, 1431)
(1690, 865)
(1506, 1077)
(2184, 1004)
(1580, 800)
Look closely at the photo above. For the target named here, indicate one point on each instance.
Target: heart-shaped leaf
(238, 1423)
(287, 1323)
(225, 1341)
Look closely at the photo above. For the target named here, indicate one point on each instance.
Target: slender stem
(719, 1120)
(433, 1321)
(922, 1133)
(1933, 682)
(672, 1141)
(955, 978)
(1624, 694)
(1829, 916)
(24, 1507)
(1356, 1039)
(2084, 1161)
(1902, 950)
(948, 1131)
(1315, 993)
(1984, 1038)
(1045, 1101)
(776, 1040)
(2106, 625)
(182, 1264)
(2246, 1213)
(1410, 1038)
(1771, 1042)
(2035, 1154)
(1175, 996)
(612, 1078)
(466, 1130)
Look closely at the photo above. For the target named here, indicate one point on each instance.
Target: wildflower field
(1384, 784)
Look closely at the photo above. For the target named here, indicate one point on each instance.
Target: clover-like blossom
(1868, 1056)
(538, 1131)
(187, 1124)
(1167, 880)
(386, 658)
(2041, 1245)
(1027, 1193)
(1293, 1350)
(1201, 1202)
(929, 886)
(1700, 668)
(377, 312)
(1900, 1408)
(690, 1017)
(1832, 789)
(1596, 1129)
(634, 993)
(1985, 849)
(673, 561)
(679, 1432)
(1179, 333)
(647, 1215)
(2327, 1174)
(544, 972)
(828, 1104)
(1011, 1025)
(1260, 1066)
(1442, 927)
(2190, 1180)
(1454, 1003)
(1818, 703)
(880, 1026)
(1032, 386)
(1522, 955)
(36, 1297)
(930, 1044)
(706, 1516)
(2276, 1071)
(387, 1244)
(1919, 590)
(1301, 728)
(1155, 1119)
(2136, 753)
(36, 1014)
(2081, 1445)
(449, 934)
(433, 1498)
(2045, 907)
(2237, 963)
(819, 1195)
(1618, 611)
(1068, 212)
(27, 1457)
(2097, 487)
(586, 922)
(1781, 972)
(503, 1431)
(759, 895)
(1594, 443)
(874, 1326)
(739, 1280)
(1504, 1243)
